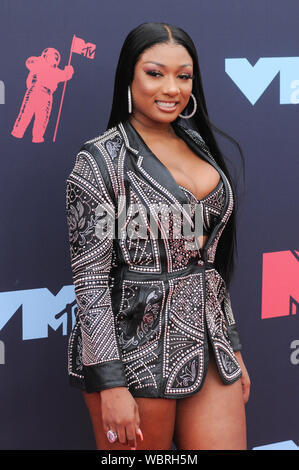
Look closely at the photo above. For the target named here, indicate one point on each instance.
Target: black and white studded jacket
(146, 305)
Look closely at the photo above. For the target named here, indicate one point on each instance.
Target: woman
(155, 347)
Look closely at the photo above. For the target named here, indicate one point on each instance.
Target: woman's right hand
(120, 413)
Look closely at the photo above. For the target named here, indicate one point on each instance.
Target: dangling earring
(129, 100)
(194, 110)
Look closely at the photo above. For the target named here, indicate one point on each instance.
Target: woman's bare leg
(214, 418)
(157, 419)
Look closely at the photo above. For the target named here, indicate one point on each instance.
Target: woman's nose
(171, 87)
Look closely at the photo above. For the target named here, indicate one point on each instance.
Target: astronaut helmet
(51, 55)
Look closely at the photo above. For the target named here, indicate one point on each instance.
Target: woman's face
(162, 83)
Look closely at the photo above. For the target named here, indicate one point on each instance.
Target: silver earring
(194, 110)
(129, 100)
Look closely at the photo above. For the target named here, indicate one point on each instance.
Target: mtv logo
(284, 445)
(280, 286)
(253, 80)
(40, 310)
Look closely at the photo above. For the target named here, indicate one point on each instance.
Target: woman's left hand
(245, 380)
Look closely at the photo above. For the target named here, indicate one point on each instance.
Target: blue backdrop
(249, 57)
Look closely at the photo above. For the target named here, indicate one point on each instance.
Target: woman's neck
(152, 128)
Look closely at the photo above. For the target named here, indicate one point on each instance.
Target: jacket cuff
(234, 337)
(104, 375)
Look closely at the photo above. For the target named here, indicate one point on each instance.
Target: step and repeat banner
(58, 61)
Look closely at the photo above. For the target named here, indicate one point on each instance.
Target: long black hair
(137, 41)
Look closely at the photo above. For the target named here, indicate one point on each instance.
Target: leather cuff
(104, 375)
(234, 337)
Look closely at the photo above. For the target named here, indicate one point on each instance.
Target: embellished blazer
(147, 306)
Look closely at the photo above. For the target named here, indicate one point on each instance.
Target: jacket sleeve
(230, 321)
(91, 248)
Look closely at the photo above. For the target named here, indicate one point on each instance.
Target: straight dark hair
(137, 41)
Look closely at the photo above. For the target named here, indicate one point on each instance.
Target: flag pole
(64, 86)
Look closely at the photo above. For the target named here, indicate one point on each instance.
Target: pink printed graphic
(280, 285)
(42, 81)
(84, 48)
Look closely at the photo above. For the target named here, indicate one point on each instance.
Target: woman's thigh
(214, 418)
(157, 420)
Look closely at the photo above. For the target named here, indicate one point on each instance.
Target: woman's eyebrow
(163, 65)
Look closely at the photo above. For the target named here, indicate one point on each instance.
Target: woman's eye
(186, 77)
(153, 73)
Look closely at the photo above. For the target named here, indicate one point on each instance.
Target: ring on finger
(111, 436)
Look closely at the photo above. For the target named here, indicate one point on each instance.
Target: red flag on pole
(81, 47)
(78, 46)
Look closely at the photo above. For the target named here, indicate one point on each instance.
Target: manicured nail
(133, 448)
(140, 434)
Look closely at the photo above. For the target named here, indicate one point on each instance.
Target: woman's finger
(246, 391)
(131, 435)
(139, 432)
(121, 431)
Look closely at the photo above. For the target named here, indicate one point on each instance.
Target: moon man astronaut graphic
(42, 80)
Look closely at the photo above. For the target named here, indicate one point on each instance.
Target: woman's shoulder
(94, 162)
(100, 151)
(104, 142)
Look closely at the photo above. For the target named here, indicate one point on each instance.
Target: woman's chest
(187, 168)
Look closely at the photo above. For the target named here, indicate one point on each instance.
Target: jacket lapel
(153, 170)
(196, 143)
(158, 175)
(156, 172)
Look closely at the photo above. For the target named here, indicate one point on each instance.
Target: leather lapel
(194, 141)
(157, 173)
(154, 171)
